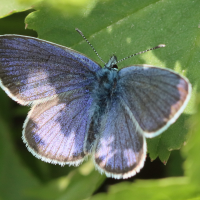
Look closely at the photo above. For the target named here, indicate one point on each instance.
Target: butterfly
(79, 108)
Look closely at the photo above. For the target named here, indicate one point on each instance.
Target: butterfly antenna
(157, 47)
(89, 43)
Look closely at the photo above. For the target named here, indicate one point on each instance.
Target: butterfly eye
(115, 67)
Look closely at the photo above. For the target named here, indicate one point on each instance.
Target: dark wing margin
(155, 96)
(34, 70)
(120, 149)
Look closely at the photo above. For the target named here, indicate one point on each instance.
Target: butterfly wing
(156, 97)
(120, 149)
(54, 131)
(33, 70)
(56, 81)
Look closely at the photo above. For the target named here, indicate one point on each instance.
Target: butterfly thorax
(105, 87)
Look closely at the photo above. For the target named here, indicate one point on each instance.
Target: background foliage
(113, 27)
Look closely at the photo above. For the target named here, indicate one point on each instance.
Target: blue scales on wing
(32, 70)
(155, 96)
(55, 130)
(56, 81)
(120, 149)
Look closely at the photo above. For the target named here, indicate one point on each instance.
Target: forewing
(55, 131)
(32, 70)
(120, 149)
(156, 97)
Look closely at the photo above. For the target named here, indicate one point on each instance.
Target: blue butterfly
(80, 109)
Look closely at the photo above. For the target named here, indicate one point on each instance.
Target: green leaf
(172, 139)
(79, 184)
(13, 6)
(14, 24)
(121, 28)
(126, 27)
(165, 189)
(192, 148)
(15, 178)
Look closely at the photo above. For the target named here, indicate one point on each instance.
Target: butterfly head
(112, 63)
